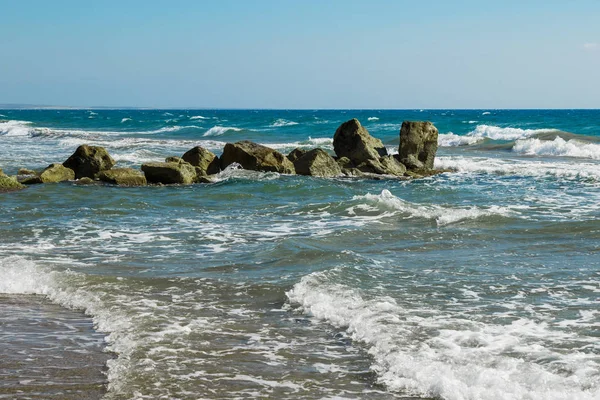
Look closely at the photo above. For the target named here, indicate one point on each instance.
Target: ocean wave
(452, 140)
(386, 201)
(221, 130)
(198, 117)
(557, 147)
(15, 128)
(486, 113)
(282, 122)
(499, 133)
(125, 120)
(373, 119)
(446, 355)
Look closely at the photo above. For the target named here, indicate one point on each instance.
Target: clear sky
(301, 54)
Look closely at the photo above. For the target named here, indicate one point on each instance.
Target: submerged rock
(206, 162)
(169, 172)
(317, 163)
(256, 157)
(89, 160)
(418, 144)
(123, 177)
(56, 173)
(353, 141)
(85, 181)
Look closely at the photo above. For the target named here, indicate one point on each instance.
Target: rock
(25, 171)
(345, 163)
(85, 181)
(89, 160)
(174, 159)
(8, 184)
(352, 140)
(418, 141)
(205, 161)
(317, 163)
(123, 177)
(57, 173)
(392, 166)
(29, 179)
(253, 156)
(169, 172)
(296, 154)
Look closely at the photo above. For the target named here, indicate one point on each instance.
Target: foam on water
(198, 117)
(442, 215)
(373, 119)
(507, 133)
(125, 120)
(452, 140)
(15, 128)
(558, 147)
(282, 122)
(447, 354)
(220, 130)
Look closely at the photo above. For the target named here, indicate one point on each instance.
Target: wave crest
(558, 147)
(221, 130)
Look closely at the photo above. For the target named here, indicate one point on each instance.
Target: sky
(312, 54)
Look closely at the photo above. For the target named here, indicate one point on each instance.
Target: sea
(479, 283)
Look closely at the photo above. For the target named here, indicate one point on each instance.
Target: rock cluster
(357, 154)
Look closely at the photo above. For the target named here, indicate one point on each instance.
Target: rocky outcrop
(317, 163)
(169, 172)
(123, 177)
(352, 140)
(386, 165)
(56, 173)
(205, 161)
(418, 144)
(25, 171)
(89, 160)
(8, 183)
(256, 157)
(296, 154)
(85, 181)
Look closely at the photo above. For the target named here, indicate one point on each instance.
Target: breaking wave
(221, 130)
(558, 147)
(282, 122)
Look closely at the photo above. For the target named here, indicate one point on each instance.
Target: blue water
(480, 283)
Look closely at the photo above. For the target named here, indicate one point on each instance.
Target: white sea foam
(453, 140)
(386, 201)
(373, 119)
(283, 122)
(125, 120)
(558, 147)
(486, 113)
(507, 133)
(198, 117)
(220, 130)
(446, 355)
(15, 128)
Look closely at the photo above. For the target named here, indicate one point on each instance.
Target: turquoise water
(483, 283)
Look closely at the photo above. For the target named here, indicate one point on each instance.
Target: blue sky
(301, 54)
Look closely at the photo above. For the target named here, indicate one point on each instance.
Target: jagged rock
(352, 140)
(205, 161)
(418, 141)
(89, 160)
(56, 173)
(123, 177)
(174, 159)
(296, 154)
(317, 163)
(169, 172)
(25, 171)
(392, 166)
(256, 157)
(29, 179)
(345, 163)
(8, 183)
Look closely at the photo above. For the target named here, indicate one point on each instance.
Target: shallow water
(483, 283)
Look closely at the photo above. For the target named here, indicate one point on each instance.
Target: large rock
(317, 163)
(418, 144)
(386, 165)
(89, 160)
(205, 161)
(169, 172)
(256, 157)
(56, 173)
(123, 177)
(8, 184)
(352, 140)
(296, 154)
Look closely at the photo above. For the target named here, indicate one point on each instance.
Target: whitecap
(125, 120)
(15, 128)
(558, 147)
(453, 140)
(486, 113)
(507, 133)
(282, 122)
(373, 119)
(198, 117)
(220, 130)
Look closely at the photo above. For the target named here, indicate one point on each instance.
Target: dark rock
(256, 157)
(418, 142)
(169, 172)
(25, 171)
(317, 163)
(29, 179)
(85, 181)
(352, 140)
(205, 161)
(89, 160)
(57, 173)
(174, 159)
(123, 177)
(296, 154)
(8, 183)
(345, 162)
